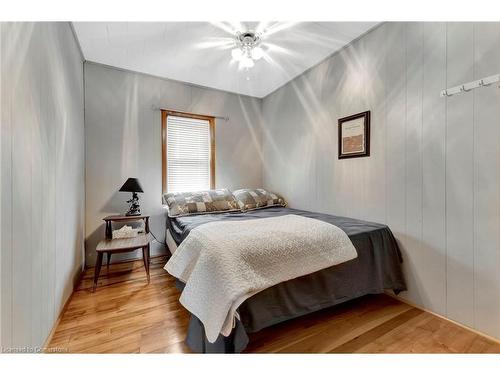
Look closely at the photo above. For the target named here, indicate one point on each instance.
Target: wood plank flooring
(126, 315)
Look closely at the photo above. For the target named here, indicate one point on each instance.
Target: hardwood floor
(126, 315)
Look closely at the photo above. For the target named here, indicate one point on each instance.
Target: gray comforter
(377, 267)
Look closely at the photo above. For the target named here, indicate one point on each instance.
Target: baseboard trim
(404, 300)
(76, 281)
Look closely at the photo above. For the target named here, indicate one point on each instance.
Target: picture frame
(354, 136)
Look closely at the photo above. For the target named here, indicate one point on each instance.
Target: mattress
(377, 268)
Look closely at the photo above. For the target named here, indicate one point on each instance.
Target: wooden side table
(124, 218)
(120, 245)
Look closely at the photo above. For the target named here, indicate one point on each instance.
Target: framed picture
(354, 135)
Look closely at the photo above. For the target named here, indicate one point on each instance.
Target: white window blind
(188, 154)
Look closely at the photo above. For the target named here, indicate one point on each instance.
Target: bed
(376, 269)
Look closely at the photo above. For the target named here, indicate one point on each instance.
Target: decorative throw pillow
(251, 199)
(200, 202)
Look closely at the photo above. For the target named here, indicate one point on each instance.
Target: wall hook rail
(466, 87)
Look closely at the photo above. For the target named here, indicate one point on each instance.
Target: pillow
(199, 202)
(251, 199)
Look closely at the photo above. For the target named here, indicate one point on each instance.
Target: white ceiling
(200, 52)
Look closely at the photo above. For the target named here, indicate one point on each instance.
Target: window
(188, 152)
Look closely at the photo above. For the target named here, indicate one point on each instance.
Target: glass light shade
(246, 62)
(257, 53)
(237, 54)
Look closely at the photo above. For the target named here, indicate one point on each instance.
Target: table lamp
(133, 186)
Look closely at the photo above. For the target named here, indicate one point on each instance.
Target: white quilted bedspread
(224, 263)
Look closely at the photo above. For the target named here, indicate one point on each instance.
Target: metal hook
(445, 93)
(463, 89)
(481, 83)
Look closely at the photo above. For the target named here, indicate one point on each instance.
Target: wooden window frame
(211, 121)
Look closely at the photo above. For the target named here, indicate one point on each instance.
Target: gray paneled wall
(434, 171)
(42, 177)
(123, 139)
(2, 120)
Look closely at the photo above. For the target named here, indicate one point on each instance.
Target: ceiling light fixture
(247, 49)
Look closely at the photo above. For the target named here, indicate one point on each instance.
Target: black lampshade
(132, 185)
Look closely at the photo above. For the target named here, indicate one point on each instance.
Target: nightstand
(121, 245)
